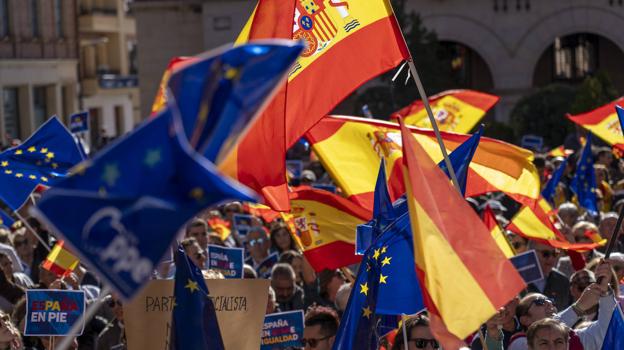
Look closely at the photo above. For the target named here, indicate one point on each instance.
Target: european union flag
(583, 183)
(43, 159)
(461, 158)
(614, 339)
(386, 285)
(550, 188)
(195, 324)
(6, 219)
(218, 95)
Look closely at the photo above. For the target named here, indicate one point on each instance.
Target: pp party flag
(386, 287)
(496, 165)
(454, 110)
(461, 157)
(489, 219)
(60, 260)
(613, 338)
(194, 320)
(348, 43)
(160, 101)
(43, 159)
(550, 188)
(325, 227)
(583, 183)
(456, 257)
(603, 122)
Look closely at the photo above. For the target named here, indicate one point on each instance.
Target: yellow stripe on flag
(531, 226)
(502, 242)
(459, 116)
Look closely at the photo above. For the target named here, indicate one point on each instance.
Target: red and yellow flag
(454, 110)
(160, 100)
(220, 226)
(604, 123)
(60, 260)
(489, 219)
(325, 227)
(496, 165)
(348, 43)
(463, 273)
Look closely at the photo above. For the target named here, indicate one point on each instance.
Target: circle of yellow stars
(383, 279)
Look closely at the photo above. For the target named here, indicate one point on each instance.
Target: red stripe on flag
(332, 256)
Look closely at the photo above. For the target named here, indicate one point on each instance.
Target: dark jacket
(557, 288)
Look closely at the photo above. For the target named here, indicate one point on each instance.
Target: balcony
(109, 84)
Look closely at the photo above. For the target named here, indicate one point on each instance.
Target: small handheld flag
(583, 183)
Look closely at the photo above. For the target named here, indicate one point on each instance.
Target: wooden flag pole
(615, 235)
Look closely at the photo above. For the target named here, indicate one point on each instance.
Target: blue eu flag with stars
(461, 157)
(195, 324)
(550, 189)
(583, 183)
(43, 159)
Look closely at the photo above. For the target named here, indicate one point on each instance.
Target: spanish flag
(495, 166)
(464, 275)
(220, 226)
(604, 123)
(454, 110)
(489, 219)
(325, 227)
(348, 43)
(161, 96)
(60, 260)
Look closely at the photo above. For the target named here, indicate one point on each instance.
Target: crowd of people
(569, 308)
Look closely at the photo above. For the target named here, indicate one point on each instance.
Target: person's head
(198, 229)
(294, 259)
(534, 307)
(9, 334)
(342, 297)
(23, 247)
(214, 238)
(329, 283)
(232, 208)
(270, 308)
(518, 242)
(6, 264)
(196, 253)
(568, 213)
(604, 157)
(580, 280)
(607, 224)
(321, 326)
(581, 231)
(307, 177)
(283, 282)
(281, 239)
(116, 306)
(418, 335)
(257, 243)
(548, 334)
(617, 263)
(546, 255)
(601, 173)
(249, 272)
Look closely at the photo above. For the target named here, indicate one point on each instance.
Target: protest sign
(242, 302)
(53, 312)
(228, 261)
(242, 224)
(79, 122)
(264, 268)
(528, 266)
(282, 330)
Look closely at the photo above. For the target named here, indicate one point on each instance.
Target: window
(119, 120)
(58, 17)
(132, 57)
(4, 18)
(34, 14)
(575, 56)
(11, 112)
(39, 106)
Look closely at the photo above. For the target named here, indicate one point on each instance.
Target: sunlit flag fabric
(6, 219)
(495, 166)
(614, 339)
(386, 284)
(60, 260)
(160, 101)
(489, 219)
(456, 257)
(550, 188)
(348, 43)
(195, 325)
(129, 201)
(43, 159)
(603, 122)
(325, 227)
(454, 110)
(583, 183)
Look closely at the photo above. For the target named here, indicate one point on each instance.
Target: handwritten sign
(237, 301)
(228, 261)
(53, 312)
(282, 330)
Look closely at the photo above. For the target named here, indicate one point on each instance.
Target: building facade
(506, 47)
(38, 64)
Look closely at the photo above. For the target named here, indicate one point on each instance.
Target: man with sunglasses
(114, 335)
(321, 326)
(555, 285)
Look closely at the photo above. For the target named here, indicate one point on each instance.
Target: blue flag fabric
(550, 188)
(620, 113)
(614, 339)
(195, 324)
(43, 159)
(6, 219)
(461, 157)
(386, 285)
(583, 183)
(219, 95)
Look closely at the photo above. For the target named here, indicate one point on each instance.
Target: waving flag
(60, 260)
(603, 122)
(583, 183)
(348, 43)
(461, 158)
(6, 219)
(614, 339)
(325, 225)
(550, 188)
(160, 101)
(454, 110)
(489, 219)
(496, 165)
(43, 159)
(456, 257)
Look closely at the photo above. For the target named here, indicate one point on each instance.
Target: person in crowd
(114, 335)
(198, 229)
(10, 338)
(214, 238)
(195, 252)
(321, 326)
(26, 252)
(289, 295)
(548, 334)
(249, 272)
(568, 213)
(281, 239)
(519, 243)
(307, 178)
(505, 320)
(587, 232)
(342, 297)
(257, 244)
(555, 284)
(232, 208)
(19, 278)
(418, 335)
(606, 226)
(329, 283)
(602, 177)
(296, 260)
(579, 281)
(271, 302)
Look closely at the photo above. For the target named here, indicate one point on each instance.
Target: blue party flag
(386, 286)
(614, 339)
(43, 159)
(550, 188)
(195, 324)
(583, 183)
(461, 158)
(218, 95)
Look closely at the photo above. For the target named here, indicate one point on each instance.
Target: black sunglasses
(313, 342)
(549, 253)
(541, 301)
(421, 343)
